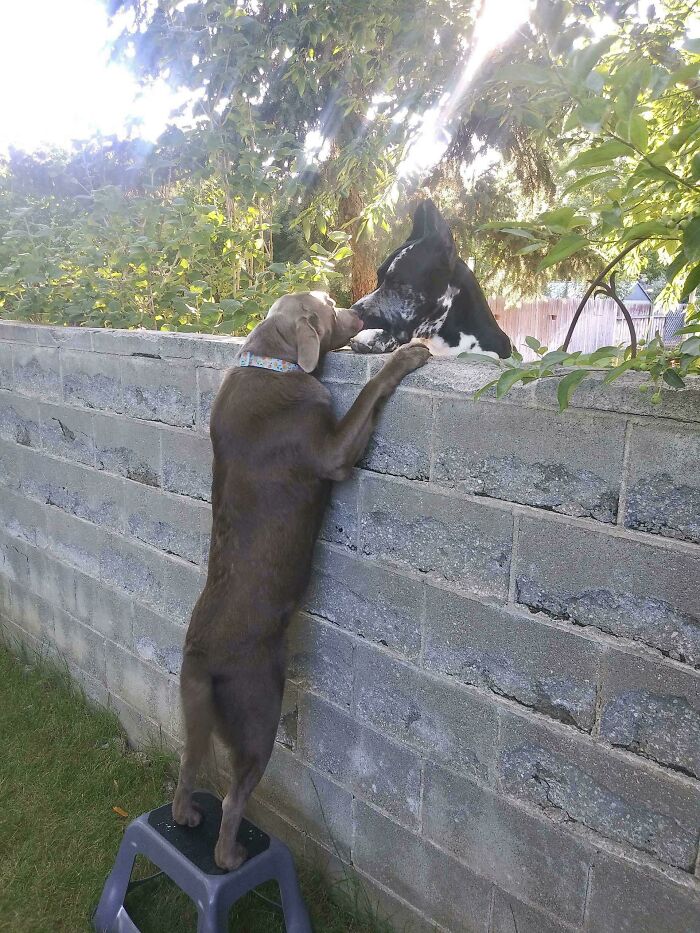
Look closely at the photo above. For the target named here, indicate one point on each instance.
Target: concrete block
(549, 670)
(627, 898)
(449, 724)
(18, 332)
(7, 379)
(262, 815)
(210, 351)
(37, 372)
(421, 874)
(340, 523)
(400, 442)
(444, 538)
(67, 338)
(624, 587)
(80, 645)
(624, 396)
(103, 609)
(140, 685)
(128, 449)
(289, 717)
(88, 686)
(512, 916)
(156, 390)
(75, 489)
(526, 856)
(73, 541)
(14, 559)
(575, 780)
(663, 494)
(19, 420)
(208, 384)
(31, 613)
(320, 658)
(11, 458)
(652, 709)
(371, 766)
(307, 800)
(170, 524)
(131, 568)
(569, 463)
(344, 366)
(23, 518)
(181, 585)
(367, 600)
(67, 433)
(158, 640)
(187, 464)
(141, 731)
(449, 376)
(139, 343)
(92, 380)
(56, 584)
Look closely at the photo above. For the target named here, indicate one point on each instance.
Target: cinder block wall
(493, 705)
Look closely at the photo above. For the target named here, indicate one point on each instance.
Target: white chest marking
(467, 344)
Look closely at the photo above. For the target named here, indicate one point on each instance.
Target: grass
(64, 765)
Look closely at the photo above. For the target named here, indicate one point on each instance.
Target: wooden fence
(600, 325)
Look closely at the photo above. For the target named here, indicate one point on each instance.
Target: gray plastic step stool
(187, 856)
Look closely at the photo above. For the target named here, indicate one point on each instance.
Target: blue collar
(268, 362)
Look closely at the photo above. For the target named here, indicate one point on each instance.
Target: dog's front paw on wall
(374, 341)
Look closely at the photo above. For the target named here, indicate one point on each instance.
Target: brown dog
(277, 448)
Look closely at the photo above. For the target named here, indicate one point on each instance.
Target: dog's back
(267, 504)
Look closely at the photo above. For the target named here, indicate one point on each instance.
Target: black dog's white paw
(374, 341)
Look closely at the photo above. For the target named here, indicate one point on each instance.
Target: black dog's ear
(437, 226)
(419, 227)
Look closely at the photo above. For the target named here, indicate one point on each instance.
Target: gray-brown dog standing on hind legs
(277, 449)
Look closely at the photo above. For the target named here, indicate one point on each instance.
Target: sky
(56, 81)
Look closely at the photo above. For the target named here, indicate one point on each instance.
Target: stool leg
(296, 916)
(116, 885)
(212, 919)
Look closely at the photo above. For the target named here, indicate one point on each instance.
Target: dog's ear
(418, 230)
(437, 226)
(308, 342)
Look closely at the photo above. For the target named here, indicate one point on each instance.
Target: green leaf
(590, 115)
(691, 283)
(567, 386)
(649, 228)
(599, 155)
(618, 371)
(691, 240)
(672, 378)
(306, 228)
(691, 346)
(567, 246)
(678, 263)
(602, 353)
(588, 180)
(531, 248)
(533, 343)
(507, 380)
(587, 58)
(478, 358)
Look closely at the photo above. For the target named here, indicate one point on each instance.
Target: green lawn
(63, 766)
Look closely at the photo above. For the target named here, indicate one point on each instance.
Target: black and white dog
(426, 293)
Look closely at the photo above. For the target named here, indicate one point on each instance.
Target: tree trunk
(364, 277)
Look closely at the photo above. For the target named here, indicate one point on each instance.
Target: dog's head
(311, 324)
(422, 278)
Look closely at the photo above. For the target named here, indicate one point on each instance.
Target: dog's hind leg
(198, 711)
(247, 721)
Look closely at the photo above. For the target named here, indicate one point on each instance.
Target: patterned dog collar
(268, 362)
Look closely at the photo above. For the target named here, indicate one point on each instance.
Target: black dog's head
(424, 289)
